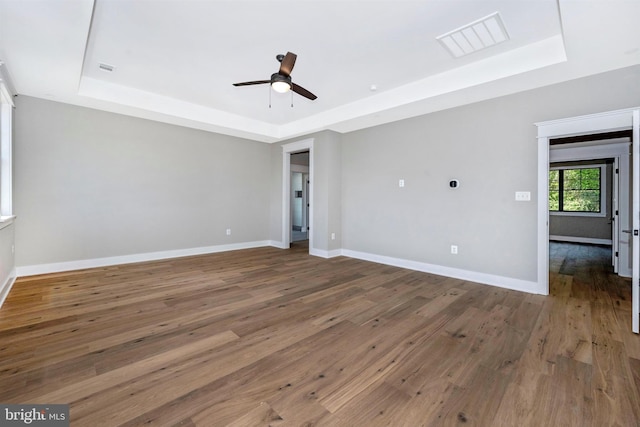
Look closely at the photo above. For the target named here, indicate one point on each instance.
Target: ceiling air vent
(106, 67)
(478, 35)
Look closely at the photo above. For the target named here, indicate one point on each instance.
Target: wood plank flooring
(267, 337)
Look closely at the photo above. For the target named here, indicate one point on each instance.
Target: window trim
(603, 191)
(6, 154)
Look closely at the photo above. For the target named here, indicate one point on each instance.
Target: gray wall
(328, 191)
(491, 148)
(91, 184)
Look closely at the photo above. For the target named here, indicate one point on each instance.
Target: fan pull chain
(291, 98)
(269, 96)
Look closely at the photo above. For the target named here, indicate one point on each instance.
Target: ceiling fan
(281, 81)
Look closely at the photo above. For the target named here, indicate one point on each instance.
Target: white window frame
(6, 153)
(603, 191)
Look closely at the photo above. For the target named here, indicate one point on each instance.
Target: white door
(615, 223)
(635, 247)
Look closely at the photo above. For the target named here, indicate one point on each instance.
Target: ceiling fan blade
(257, 82)
(286, 66)
(303, 92)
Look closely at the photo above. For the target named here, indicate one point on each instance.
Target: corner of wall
(7, 285)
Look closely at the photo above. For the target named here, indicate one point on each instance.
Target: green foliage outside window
(575, 190)
(554, 190)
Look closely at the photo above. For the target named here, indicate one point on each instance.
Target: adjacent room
(360, 213)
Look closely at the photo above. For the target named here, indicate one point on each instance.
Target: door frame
(635, 280)
(615, 214)
(588, 124)
(305, 202)
(287, 150)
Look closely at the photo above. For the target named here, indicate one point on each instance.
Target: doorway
(294, 152)
(300, 196)
(584, 217)
(612, 121)
(589, 194)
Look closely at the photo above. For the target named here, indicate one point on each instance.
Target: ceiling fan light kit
(281, 80)
(280, 83)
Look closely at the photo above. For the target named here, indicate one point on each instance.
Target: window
(577, 190)
(6, 113)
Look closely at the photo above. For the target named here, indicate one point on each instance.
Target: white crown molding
(160, 107)
(349, 117)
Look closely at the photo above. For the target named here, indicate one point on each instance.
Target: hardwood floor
(266, 337)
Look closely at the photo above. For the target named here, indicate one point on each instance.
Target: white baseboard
(278, 244)
(488, 279)
(574, 239)
(472, 276)
(325, 254)
(312, 251)
(6, 286)
(32, 270)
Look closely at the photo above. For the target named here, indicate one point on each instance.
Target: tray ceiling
(369, 62)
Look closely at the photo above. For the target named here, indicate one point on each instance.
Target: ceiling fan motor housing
(277, 77)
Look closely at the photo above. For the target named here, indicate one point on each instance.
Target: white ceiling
(175, 60)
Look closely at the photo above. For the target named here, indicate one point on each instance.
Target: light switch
(523, 196)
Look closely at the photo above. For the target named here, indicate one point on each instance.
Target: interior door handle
(626, 231)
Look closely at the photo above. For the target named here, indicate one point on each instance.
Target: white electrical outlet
(333, 236)
(523, 196)
(228, 232)
(401, 183)
(454, 249)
